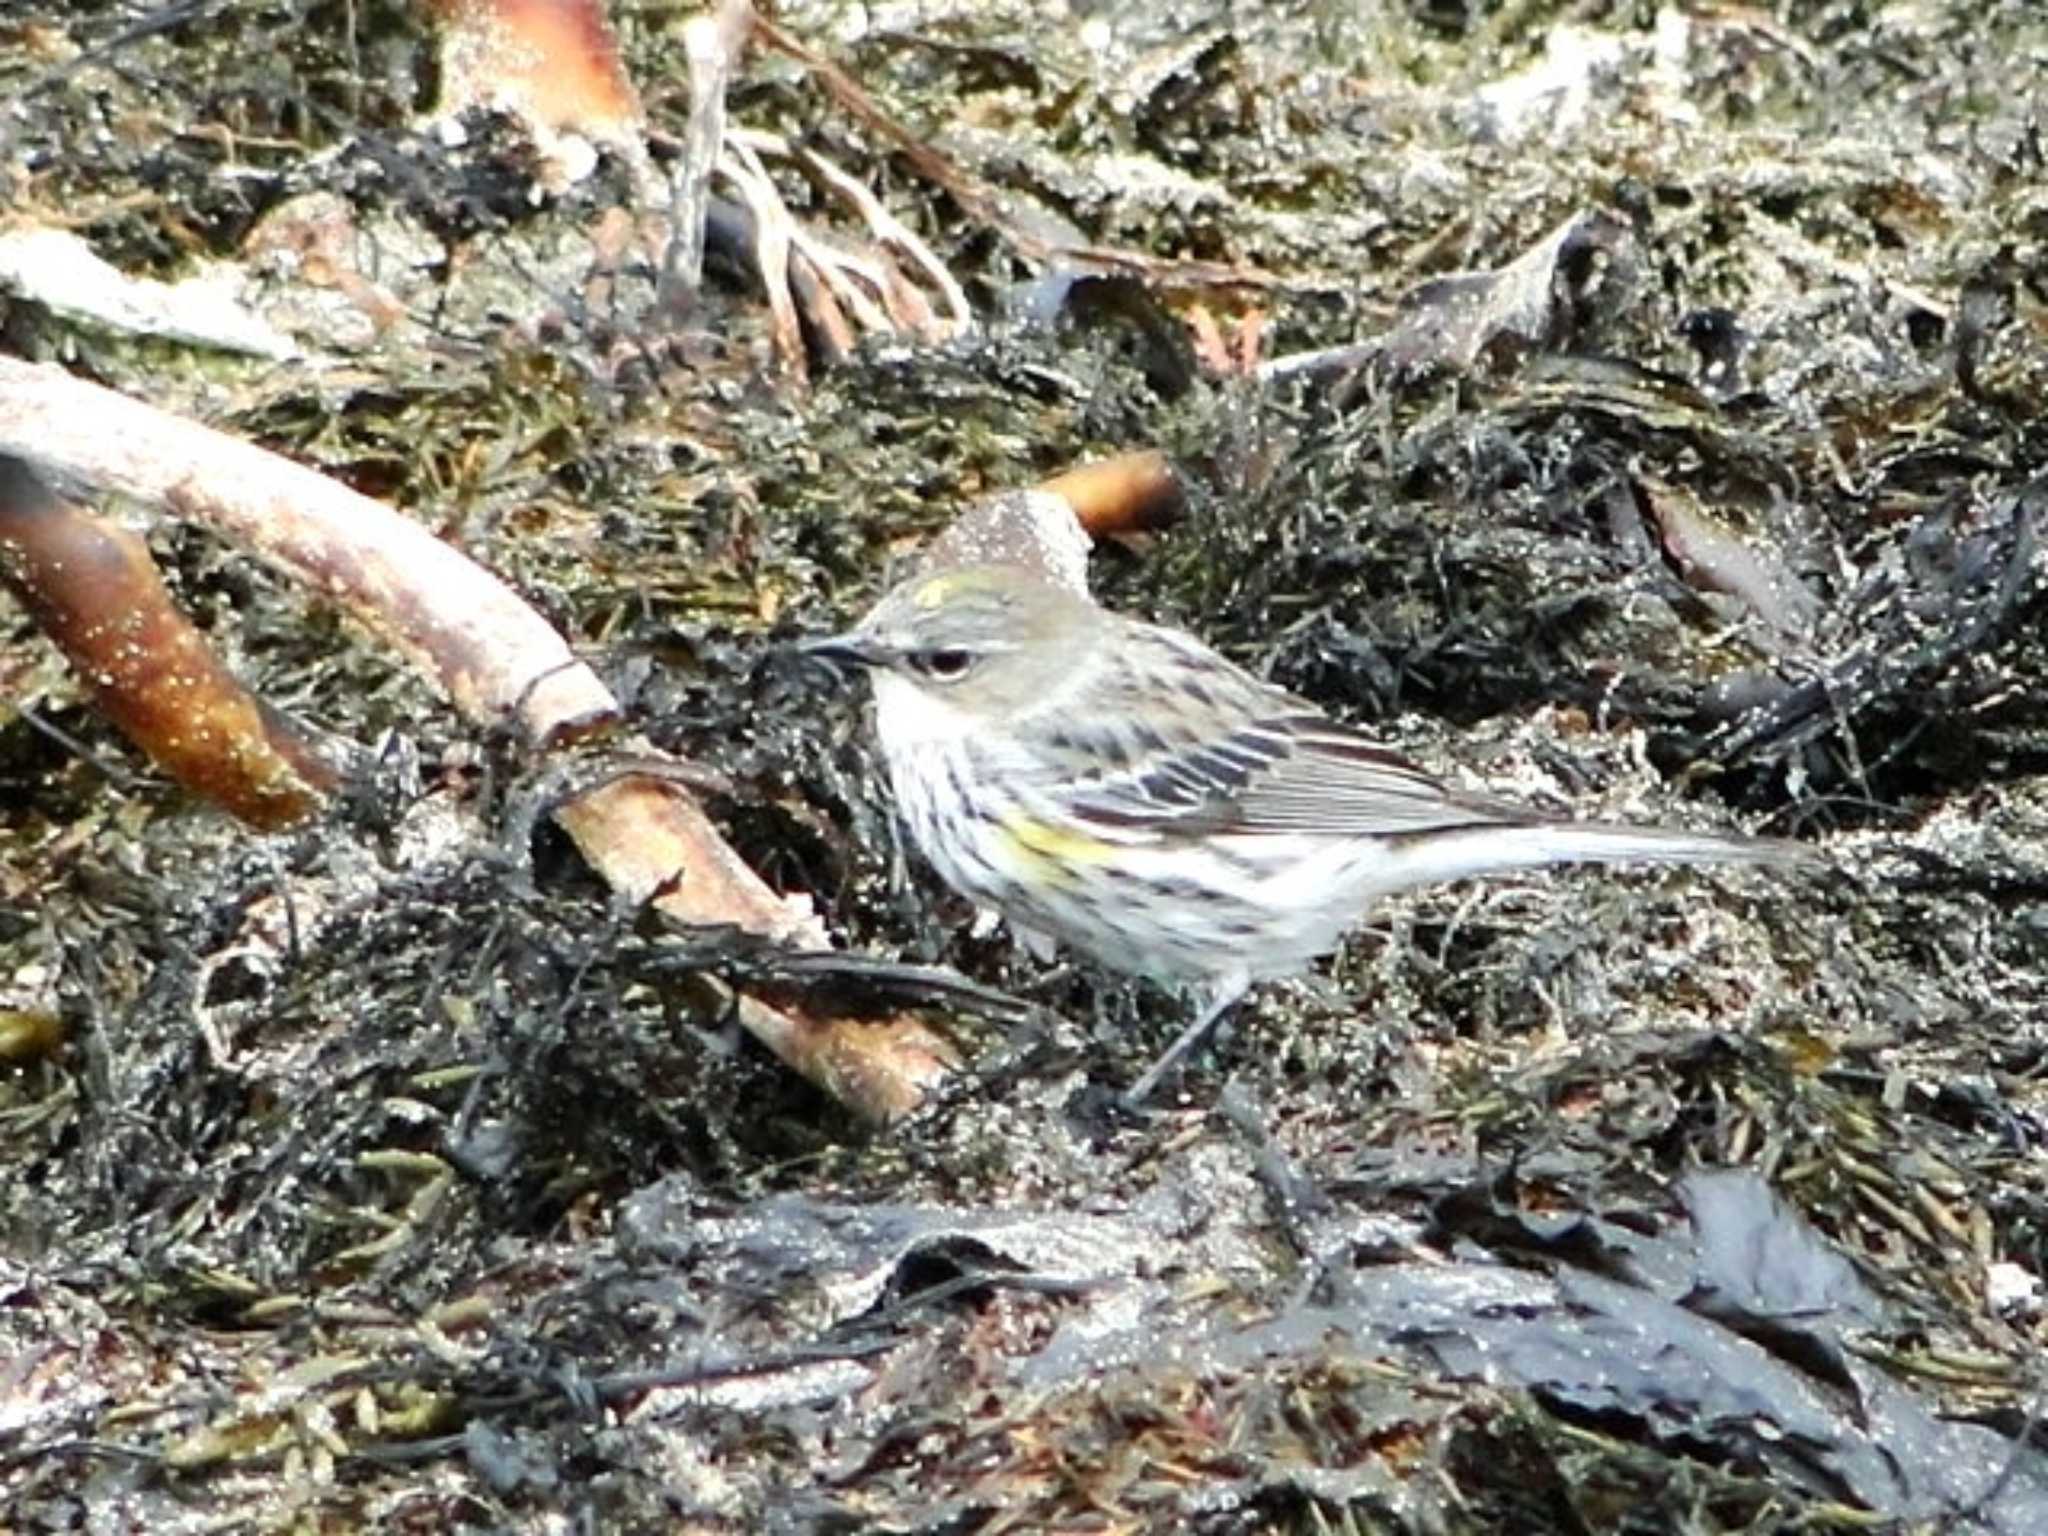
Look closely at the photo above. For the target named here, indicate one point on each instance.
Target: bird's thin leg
(1221, 996)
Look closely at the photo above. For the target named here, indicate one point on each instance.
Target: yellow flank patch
(1051, 847)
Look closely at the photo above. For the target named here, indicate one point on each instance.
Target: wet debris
(1641, 415)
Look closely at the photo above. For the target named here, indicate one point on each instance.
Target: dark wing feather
(1222, 752)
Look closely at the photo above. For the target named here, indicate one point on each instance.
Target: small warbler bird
(1122, 788)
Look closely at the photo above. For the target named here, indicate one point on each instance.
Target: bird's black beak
(852, 649)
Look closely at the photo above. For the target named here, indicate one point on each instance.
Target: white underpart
(1221, 914)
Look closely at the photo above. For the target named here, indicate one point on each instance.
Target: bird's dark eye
(945, 664)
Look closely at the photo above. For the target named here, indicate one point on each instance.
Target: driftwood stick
(492, 653)
(647, 837)
(95, 591)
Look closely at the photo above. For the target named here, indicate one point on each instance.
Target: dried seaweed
(385, 1173)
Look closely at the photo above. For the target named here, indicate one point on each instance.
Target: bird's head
(982, 642)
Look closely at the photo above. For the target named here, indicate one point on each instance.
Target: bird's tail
(1497, 849)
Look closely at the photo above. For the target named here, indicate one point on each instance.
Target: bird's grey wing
(1200, 747)
(1279, 774)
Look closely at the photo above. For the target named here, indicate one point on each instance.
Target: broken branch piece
(95, 591)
